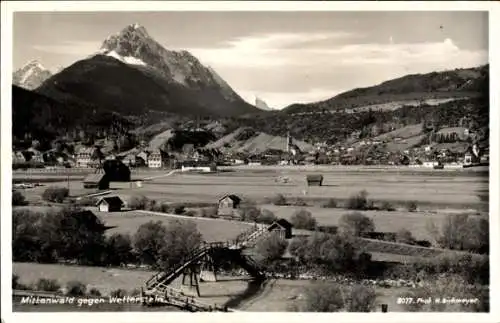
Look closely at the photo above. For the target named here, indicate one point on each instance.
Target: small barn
(110, 204)
(314, 180)
(116, 170)
(99, 181)
(282, 227)
(227, 204)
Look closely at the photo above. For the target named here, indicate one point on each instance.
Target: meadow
(434, 189)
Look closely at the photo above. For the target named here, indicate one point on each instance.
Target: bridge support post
(208, 270)
(193, 279)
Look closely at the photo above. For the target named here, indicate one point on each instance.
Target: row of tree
(70, 234)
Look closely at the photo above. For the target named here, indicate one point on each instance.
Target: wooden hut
(314, 180)
(227, 204)
(282, 227)
(110, 204)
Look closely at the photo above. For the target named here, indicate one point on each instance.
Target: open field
(454, 188)
(457, 189)
(386, 221)
(211, 229)
(274, 296)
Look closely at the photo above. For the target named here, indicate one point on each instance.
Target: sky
(280, 57)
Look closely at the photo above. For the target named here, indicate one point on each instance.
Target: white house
(155, 160)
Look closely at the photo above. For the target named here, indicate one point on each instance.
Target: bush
(266, 217)
(271, 247)
(15, 282)
(300, 202)
(249, 214)
(76, 288)
(331, 203)
(405, 236)
(358, 201)
(47, 285)
(356, 223)
(179, 209)
(423, 243)
(190, 213)
(94, 292)
(387, 206)
(138, 202)
(55, 194)
(119, 293)
(302, 219)
(412, 206)
(339, 253)
(209, 212)
(18, 199)
(361, 299)
(279, 199)
(152, 205)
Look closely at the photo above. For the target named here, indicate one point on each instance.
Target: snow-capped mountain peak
(261, 104)
(31, 75)
(133, 45)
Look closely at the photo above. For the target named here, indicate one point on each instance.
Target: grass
(211, 229)
(456, 189)
(387, 221)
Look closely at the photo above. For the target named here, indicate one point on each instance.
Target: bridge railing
(241, 241)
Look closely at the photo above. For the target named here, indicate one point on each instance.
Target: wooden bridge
(157, 289)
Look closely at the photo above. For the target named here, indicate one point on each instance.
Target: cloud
(308, 67)
(278, 50)
(72, 48)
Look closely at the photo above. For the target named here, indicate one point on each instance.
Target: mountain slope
(254, 142)
(454, 84)
(31, 75)
(133, 74)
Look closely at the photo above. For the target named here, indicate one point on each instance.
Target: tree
(460, 232)
(302, 219)
(181, 238)
(119, 249)
(18, 199)
(149, 241)
(356, 223)
(266, 217)
(271, 247)
(323, 297)
(358, 201)
(25, 243)
(80, 235)
(361, 299)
